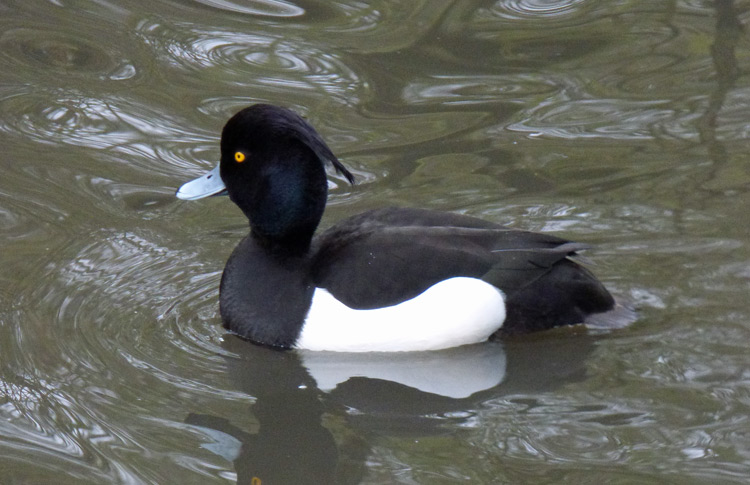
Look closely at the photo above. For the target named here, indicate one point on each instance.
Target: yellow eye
(239, 157)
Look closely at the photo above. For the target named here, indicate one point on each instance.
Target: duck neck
(294, 245)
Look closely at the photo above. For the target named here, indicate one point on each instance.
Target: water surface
(621, 124)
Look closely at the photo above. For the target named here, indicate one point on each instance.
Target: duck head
(273, 167)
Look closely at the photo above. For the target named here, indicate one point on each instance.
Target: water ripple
(54, 54)
(467, 90)
(130, 271)
(607, 433)
(270, 60)
(536, 9)
(614, 119)
(109, 326)
(266, 8)
(130, 130)
(71, 118)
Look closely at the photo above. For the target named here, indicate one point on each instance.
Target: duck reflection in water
(317, 413)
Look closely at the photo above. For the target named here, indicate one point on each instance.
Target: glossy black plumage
(375, 259)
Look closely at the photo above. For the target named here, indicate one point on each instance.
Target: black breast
(265, 294)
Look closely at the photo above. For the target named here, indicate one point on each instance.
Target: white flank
(454, 312)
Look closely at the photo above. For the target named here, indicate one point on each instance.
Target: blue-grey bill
(206, 185)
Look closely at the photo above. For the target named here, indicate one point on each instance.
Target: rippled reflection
(271, 8)
(244, 59)
(612, 119)
(536, 9)
(54, 53)
(465, 90)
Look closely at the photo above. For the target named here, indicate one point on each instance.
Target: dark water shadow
(314, 412)
(727, 35)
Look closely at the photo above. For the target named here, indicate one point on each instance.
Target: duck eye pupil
(239, 157)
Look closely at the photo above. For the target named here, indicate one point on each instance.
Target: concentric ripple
(528, 14)
(267, 8)
(117, 323)
(71, 118)
(613, 119)
(465, 90)
(536, 9)
(53, 53)
(127, 128)
(131, 271)
(262, 60)
(124, 323)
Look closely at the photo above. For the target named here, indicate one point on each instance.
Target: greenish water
(622, 124)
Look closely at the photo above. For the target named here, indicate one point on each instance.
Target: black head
(273, 166)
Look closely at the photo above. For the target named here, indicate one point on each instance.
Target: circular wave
(261, 61)
(266, 8)
(465, 90)
(101, 291)
(53, 53)
(536, 9)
